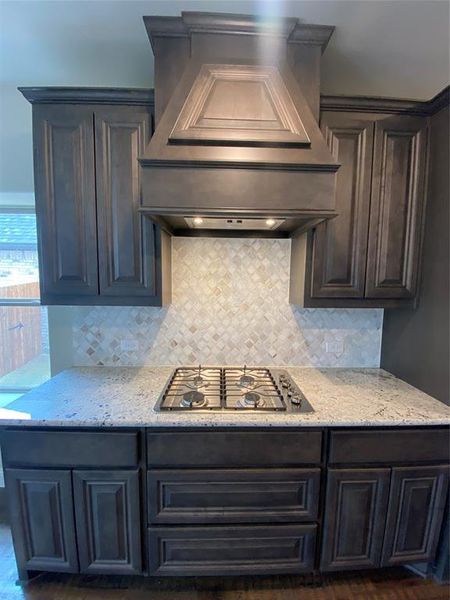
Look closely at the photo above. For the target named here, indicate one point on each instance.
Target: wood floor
(390, 584)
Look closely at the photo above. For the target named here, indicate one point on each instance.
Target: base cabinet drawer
(242, 550)
(233, 449)
(232, 495)
(82, 449)
(375, 446)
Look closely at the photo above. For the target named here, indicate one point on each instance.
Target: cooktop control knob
(296, 399)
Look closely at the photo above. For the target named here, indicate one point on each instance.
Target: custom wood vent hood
(237, 143)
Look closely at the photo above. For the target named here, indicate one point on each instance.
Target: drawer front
(69, 448)
(231, 550)
(233, 496)
(389, 447)
(233, 449)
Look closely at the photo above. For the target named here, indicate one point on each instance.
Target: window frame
(22, 205)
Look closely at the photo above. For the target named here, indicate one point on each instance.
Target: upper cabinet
(369, 255)
(396, 207)
(64, 178)
(340, 245)
(95, 245)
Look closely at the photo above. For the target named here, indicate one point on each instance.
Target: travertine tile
(230, 306)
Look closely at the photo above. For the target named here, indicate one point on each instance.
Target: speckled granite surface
(125, 397)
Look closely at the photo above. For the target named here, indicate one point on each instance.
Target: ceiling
(387, 48)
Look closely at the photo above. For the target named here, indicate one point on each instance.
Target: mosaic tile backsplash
(230, 306)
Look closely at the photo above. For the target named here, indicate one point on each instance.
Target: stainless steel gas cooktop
(232, 388)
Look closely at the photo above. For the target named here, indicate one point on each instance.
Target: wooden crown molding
(386, 105)
(88, 95)
(146, 97)
(203, 22)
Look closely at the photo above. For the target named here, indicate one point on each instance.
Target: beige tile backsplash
(230, 306)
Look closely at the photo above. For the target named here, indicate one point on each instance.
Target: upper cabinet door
(416, 507)
(65, 201)
(128, 246)
(340, 244)
(397, 206)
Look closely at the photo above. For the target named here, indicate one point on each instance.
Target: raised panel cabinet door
(108, 522)
(340, 244)
(42, 523)
(63, 139)
(355, 516)
(416, 507)
(129, 244)
(397, 207)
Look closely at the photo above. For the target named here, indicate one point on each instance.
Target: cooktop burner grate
(222, 388)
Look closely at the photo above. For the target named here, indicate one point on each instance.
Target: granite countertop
(125, 397)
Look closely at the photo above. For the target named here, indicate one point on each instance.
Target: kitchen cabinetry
(355, 518)
(108, 521)
(224, 501)
(384, 516)
(95, 246)
(231, 550)
(416, 505)
(71, 519)
(42, 522)
(369, 255)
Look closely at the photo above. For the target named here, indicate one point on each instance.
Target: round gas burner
(193, 399)
(251, 400)
(247, 381)
(198, 381)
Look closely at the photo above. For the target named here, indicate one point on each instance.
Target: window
(24, 351)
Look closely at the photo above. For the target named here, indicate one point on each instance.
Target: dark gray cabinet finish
(42, 522)
(384, 446)
(397, 207)
(340, 244)
(356, 504)
(369, 255)
(127, 240)
(95, 245)
(229, 550)
(416, 507)
(240, 510)
(233, 449)
(108, 521)
(232, 495)
(69, 448)
(64, 175)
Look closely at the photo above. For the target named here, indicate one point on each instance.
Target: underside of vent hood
(237, 145)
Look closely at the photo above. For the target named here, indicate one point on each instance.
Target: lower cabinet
(379, 517)
(416, 508)
(42, 522)
(108, 521)
(231, 550)
(104, 536)
(356, 504)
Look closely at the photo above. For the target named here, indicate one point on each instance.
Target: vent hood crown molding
(238, 132)
(191, 22)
